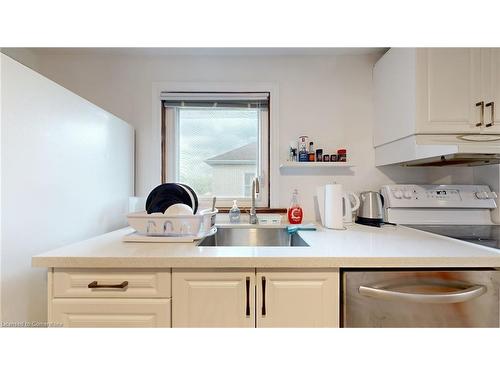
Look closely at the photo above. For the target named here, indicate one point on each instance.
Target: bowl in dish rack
(165, 195)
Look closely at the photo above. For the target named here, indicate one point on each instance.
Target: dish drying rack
(158, 227)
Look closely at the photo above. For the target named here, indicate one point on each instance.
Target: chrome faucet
(255, 190)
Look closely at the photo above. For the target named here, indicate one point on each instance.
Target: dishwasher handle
(463, 295)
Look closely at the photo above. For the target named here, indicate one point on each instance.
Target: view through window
(218, 150)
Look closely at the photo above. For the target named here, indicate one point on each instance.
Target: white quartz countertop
(357, 246)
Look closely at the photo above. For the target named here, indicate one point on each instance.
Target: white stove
(458, 211)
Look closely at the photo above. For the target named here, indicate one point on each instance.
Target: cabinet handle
(263, 296)
(492, 105)
(248, 296)
(94, 285)
(481, 113)
(463, 295)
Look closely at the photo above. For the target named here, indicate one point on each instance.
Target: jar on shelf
(342, 155)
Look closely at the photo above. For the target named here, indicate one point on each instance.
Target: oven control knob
(486, 195)
(397, 194)
(481, 195)
(407, 194)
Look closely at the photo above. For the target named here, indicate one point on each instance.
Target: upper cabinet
(491, 83)
(448, 88)
(436, 91)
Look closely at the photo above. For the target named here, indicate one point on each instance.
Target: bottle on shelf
(302, 144)
(319, 154)
(311, 154)
(295, 212)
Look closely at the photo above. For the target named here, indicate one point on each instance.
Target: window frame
(170, 150)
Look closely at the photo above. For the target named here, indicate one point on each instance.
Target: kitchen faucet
(255, 191)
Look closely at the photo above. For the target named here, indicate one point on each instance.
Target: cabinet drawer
(112, 312)
(141, 283)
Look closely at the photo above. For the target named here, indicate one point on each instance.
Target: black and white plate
(165, 195)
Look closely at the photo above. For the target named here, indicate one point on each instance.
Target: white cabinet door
(491, 91)
(213, 298)
(448, 88)
(297, 298)
(113, 312)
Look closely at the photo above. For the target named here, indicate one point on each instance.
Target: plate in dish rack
(136, 237)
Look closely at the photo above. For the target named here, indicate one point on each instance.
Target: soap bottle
(295, 211)
(234, 213)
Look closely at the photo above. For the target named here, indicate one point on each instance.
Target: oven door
(420, 298)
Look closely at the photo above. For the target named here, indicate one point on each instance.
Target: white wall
(328, 98)
(66, 172)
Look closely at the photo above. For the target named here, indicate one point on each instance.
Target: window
(217, 143)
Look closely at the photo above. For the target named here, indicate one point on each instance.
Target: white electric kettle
(336, 206)
(349, 206)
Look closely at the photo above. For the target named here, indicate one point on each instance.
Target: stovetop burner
(485, 235)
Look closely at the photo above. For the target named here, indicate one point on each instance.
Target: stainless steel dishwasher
(420, 298)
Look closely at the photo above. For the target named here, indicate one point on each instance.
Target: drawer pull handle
(247, 310)
(94, 285)
(263, 296)
(481, 113)
(492, 105)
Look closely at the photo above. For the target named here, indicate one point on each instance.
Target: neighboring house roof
(246, 154)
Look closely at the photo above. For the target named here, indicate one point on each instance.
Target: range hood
(438, 150)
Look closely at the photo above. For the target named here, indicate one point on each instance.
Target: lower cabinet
(255, 298)
(213, 298)
(304, 298)
(101, 312)
(242, 297)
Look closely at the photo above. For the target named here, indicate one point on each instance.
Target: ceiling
(205, 51)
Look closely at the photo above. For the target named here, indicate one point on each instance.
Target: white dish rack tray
(158, 227)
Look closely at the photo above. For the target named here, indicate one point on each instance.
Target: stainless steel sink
(253, 237)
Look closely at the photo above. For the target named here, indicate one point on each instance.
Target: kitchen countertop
(357, 246)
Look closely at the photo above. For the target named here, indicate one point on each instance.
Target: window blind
(215, 99)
